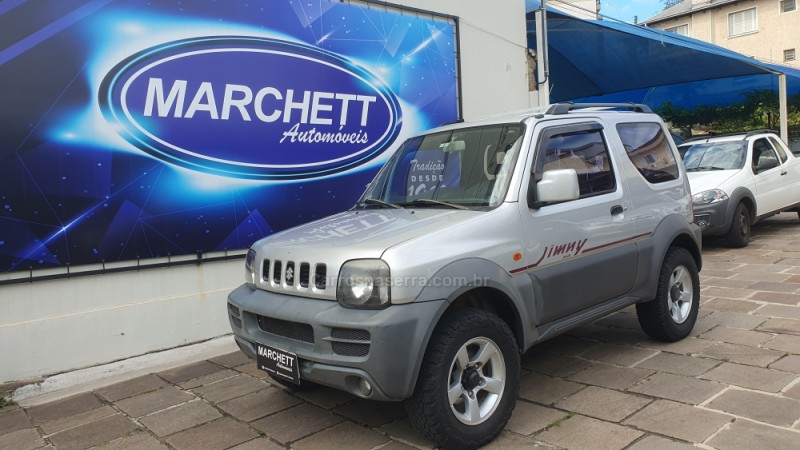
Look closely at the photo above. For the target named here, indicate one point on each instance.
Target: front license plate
(278, 363)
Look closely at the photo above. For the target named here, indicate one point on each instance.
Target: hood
(712, 179)
(372, 229)
(320, 248)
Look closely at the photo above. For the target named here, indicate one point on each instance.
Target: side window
(763, 154)
(579, 147)
(778, 148)
(647, 147)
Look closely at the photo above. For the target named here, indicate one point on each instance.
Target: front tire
(469, 380)
(671, 315)
(739, 234)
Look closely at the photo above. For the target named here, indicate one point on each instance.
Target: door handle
(617, 210)
(783, 173)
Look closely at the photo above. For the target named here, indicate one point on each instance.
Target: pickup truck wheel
(739, 234)
(468, 383)
(671, 315)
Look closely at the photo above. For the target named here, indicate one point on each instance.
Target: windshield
(462, 168)
(715, 156)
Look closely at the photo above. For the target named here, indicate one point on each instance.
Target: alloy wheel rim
(681, 294)
(477, 381)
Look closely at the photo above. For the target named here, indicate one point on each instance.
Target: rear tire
(469, 380)
(739, 234)
(671, 315)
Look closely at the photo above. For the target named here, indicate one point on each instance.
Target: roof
(558, 109)
(684, 8)
(599, 57)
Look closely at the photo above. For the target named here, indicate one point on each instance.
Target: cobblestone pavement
(734, 384)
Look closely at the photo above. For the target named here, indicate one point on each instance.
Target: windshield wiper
(375, 201)
(430, 201)
(703, 168)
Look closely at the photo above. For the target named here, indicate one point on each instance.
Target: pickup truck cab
(474, 242)
(738, 179)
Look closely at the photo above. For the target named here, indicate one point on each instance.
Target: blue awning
(590, 58)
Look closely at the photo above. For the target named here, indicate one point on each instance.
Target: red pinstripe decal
(615, 242)
(536, 264)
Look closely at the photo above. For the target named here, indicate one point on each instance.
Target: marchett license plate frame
(279, 363)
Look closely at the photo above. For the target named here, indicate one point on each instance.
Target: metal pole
(782, 101)
(542, 60)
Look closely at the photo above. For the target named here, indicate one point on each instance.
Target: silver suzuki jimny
(474, 242)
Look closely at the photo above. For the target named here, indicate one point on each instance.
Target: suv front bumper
(336, 346)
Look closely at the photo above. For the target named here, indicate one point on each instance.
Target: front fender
(459, 277)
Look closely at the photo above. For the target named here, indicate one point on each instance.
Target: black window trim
(559, 130)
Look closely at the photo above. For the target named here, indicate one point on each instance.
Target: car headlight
(364, 283)
(709, 197)
(249, 269)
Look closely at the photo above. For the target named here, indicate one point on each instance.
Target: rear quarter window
(648, 149)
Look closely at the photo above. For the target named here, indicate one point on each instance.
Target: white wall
(48, 327)
(493, 52)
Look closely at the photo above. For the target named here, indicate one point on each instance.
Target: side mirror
(766, 164)
(559, 185)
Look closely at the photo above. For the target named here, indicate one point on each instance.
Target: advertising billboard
(133, 129)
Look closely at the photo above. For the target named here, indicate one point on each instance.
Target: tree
(759, 109)
(670, 3)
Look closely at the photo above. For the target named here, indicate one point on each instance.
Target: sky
(626, 9)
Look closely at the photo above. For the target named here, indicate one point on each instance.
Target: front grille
(350, 349)
(295, 275)
(293, 330)
(350, 334)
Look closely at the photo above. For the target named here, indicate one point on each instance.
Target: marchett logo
(250, 107)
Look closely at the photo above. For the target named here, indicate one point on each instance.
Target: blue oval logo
(250, 107)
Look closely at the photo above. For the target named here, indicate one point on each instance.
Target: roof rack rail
(565, 107)
(755, 132)
(744, 134)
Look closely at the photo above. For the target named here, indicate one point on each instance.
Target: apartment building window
(742, 22)
(788, 5)
(788, 55)
(683, 30)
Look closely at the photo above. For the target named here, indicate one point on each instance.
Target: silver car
(473, 243)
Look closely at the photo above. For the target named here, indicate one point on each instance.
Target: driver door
(578, 253)
(769, 183)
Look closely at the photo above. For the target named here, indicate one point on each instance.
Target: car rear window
(647, 147)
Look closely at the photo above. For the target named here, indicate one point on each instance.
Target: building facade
(768, 30)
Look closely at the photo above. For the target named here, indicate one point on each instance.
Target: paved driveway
(735, 383)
